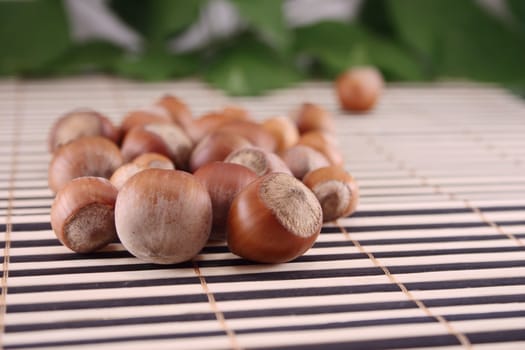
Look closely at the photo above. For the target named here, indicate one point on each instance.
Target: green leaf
(375, 16)
(266, 18)
(156, 65)
(396, 62)
(157, 19)
(338, 46)
(249, 67)
(31, 34)
(460, 39)
(517, 7)
(417, 22)
(92, 56)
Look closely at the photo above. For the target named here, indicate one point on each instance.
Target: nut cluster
(164, 182)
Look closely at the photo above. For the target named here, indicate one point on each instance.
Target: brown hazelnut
(274, 219)
(215, 147)
(336, 190)
(163, 216)
(209, 122)
(235, 112)
(359, 88)
(252, 131)
(283, 130)
(167, 139)
(324, 144)
(258, 160)
(142, 162)
(143, 116)
(311, 117)
(79, 123)
(82, 214)
(223, 181)
(87, 156)
(302, 159)
(153, 160)
(178, 110)
(123, 173)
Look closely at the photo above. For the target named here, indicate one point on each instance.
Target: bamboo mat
(434, 257)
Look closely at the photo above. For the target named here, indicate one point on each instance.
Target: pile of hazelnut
(164, 183)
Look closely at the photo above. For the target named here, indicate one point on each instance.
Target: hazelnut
(223, 181)
(215, 147)
(142, 162)
(324, 144)
(123, 173)
(302, 159)
(178, 110)
(143, 116)
(208, 123)
(336, 190)
(87, 156)
(311, 117)
(283, 131)
(163, 216)
(79, 123)
(252, 131)
(235, 112)
(166, 139)
(359, 88)
(82, 214)
(274, 219)
(258, 160)
(153, 160)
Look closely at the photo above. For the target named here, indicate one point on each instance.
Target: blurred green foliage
(157, 20)
(409, 40)
(246, 66)
(32, 34)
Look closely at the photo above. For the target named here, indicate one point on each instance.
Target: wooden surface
(434, 257)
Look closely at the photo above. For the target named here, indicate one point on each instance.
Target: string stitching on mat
(462, 338)
(464, 341)
(218, 313)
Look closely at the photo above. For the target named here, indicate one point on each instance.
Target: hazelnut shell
(324, 144)
(359, 88)
(302, 159)
(163, 216)
(274, 219)
(336, 190)
(82, 214)
(216, 147)
(258, 160)
(79, 123)
(178, 110)
(283, 130)
(143, 116)
(312, 117)
(87, 156)
(223, 181)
